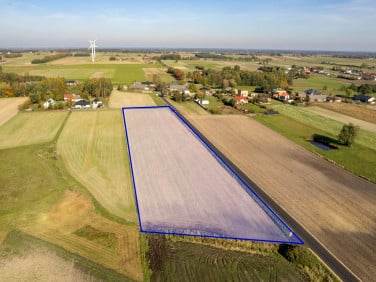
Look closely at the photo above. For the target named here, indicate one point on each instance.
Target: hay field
(368, 126)
(366, 113)
(9, 108)
(329, 125)
(31, 128)
(120, 99)
(182, 188)
(326, 200)
(92, 147)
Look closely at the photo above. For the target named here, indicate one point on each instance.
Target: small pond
(322, 145)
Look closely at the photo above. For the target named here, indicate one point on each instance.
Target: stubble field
(326, 200)
(9, 108)
(119, 99)
(93, 149)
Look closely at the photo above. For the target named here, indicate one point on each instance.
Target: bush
(298, 255)
(25, 105)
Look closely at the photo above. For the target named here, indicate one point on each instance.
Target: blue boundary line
(131, 166)
(249, 190)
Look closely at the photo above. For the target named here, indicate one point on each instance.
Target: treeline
(12, 55)
(177, 73)
(212, 56)
(39, 88)
(81, 54)
(50, 58)
(175, 57)
(232, 77)
(362, 89)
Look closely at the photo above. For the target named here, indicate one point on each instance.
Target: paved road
(332, 262)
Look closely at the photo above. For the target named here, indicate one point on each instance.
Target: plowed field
(338, 208)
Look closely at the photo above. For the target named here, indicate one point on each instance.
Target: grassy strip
(157, 100)
(18, 242)
(207, 259)
(358, 159)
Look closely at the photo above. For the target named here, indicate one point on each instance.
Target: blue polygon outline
(249, 190)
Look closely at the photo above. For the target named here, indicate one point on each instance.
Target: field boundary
(262, 204)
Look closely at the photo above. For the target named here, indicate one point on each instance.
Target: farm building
(49, 103)
(317, 98)
(97, 103)
(243, 93)
(365, 99)
(82, 104)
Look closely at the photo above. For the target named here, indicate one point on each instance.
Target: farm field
(313, 117)
(345, 119)
(191, 192)
(40, 199)
(31, 128)
(173, 260)
(356, 111)
(312, 190)
(9, 108)
(93, 150)
(119, 73)
(119, 99)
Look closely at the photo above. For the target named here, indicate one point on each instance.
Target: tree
(349, 92)
(348, 134)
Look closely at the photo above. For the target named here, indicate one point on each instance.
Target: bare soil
(335, 206)
(40, 265)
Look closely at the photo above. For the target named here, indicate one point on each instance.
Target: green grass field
(31, 128)
(318, 82)
(329, 126)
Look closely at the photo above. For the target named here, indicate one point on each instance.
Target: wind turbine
(92, 47)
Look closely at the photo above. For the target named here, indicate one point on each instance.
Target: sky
(334, 25)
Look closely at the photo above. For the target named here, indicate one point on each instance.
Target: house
(82, 104)
(280, 94)
(49, 103)
(178, 87)
(72, 97)
(97, 103)
(241, 100)
(365, 99)
(243, 93)
(69, 97)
